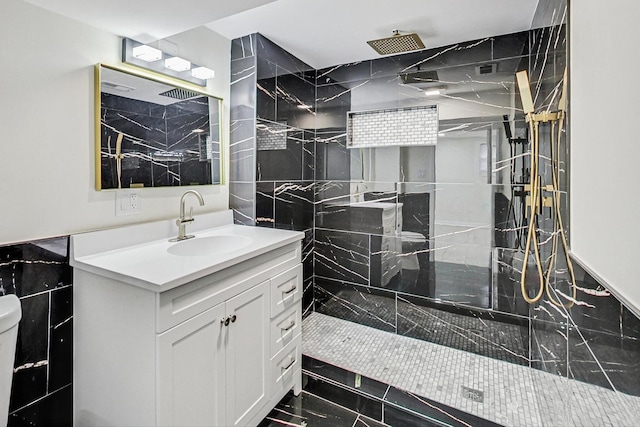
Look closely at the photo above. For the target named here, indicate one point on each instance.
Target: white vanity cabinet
(218, 350)
(216, 365)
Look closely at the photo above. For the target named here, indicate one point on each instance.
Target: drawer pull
(233, 318)
(290, 290)
(284, 368)
(291, 325)
(225, 321)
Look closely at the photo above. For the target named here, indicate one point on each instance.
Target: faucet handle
(191, 213)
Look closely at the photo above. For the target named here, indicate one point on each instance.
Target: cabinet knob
(225, 321)
(233, 318)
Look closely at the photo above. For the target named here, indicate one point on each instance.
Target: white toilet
(10, 314)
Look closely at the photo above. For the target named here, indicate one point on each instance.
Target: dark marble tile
(385, 261)
(243, 47)
(604, 360)
(462, 283)
(265, 214)
(55, 410)
(266, 99)
(44, 265)
(242, 202)
(242, 151)
(308, 156)
(308, 300)
(342, 256)
(33, 336)
(355, 71)
(295, 101)
(398, 417)
(508, 297)
(434, 413)
(415, 212)
(371, 408)
(279, 151)
(242, 102)
(596, 309)
(267, 67)
(308, 410)
(194, 171)
(487, 333)
(28, 385)
(510, 45)
(328, 372)
(332, 157)
(549, 347)
(333, 102)
(294, 205)
(367, 306)
(293, 65)
(61, 339)
(308, 244)
(10, 270)
(630, 324)
(329, 193)
(353, 217)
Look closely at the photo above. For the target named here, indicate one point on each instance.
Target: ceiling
(320, 32)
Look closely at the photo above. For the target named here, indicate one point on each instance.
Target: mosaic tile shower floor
(513, 395)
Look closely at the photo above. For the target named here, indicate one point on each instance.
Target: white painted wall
(605, 146)
(47, 126)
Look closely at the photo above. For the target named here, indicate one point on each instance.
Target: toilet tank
(10, 314)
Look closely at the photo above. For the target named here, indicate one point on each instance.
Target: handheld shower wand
(535, 197)
(534, 185)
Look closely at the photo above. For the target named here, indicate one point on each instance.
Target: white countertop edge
(98, 252)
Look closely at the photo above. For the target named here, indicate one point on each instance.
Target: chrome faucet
(184, 220)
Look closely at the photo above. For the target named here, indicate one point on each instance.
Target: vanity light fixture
(176, 63)
(149, 58)
(203, 73)
(304, 106)
(147, 53)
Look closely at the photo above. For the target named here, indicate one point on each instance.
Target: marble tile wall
(460, 287)
(38, 272)
(473, 304)
(272, 147)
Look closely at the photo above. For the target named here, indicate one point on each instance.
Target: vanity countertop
(141, 254)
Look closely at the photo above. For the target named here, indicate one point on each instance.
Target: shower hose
(544, 280)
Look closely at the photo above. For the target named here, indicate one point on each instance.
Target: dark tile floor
(309, 410)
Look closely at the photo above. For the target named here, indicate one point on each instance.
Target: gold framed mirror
(154, 131)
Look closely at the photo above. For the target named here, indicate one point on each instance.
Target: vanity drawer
(286, 365)
(182, 303)
(285, 328)
(286, 290)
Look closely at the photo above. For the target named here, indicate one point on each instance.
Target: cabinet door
(191, 371)
(248, 387)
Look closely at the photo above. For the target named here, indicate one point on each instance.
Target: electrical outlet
(127, 202)
(133, 202)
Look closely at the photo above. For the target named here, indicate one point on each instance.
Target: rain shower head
(397, 43)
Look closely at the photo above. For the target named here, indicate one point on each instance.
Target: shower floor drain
(472, 394)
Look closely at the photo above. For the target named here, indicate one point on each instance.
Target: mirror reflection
(154, 134)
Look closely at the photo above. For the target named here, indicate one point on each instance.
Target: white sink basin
(210, 245)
